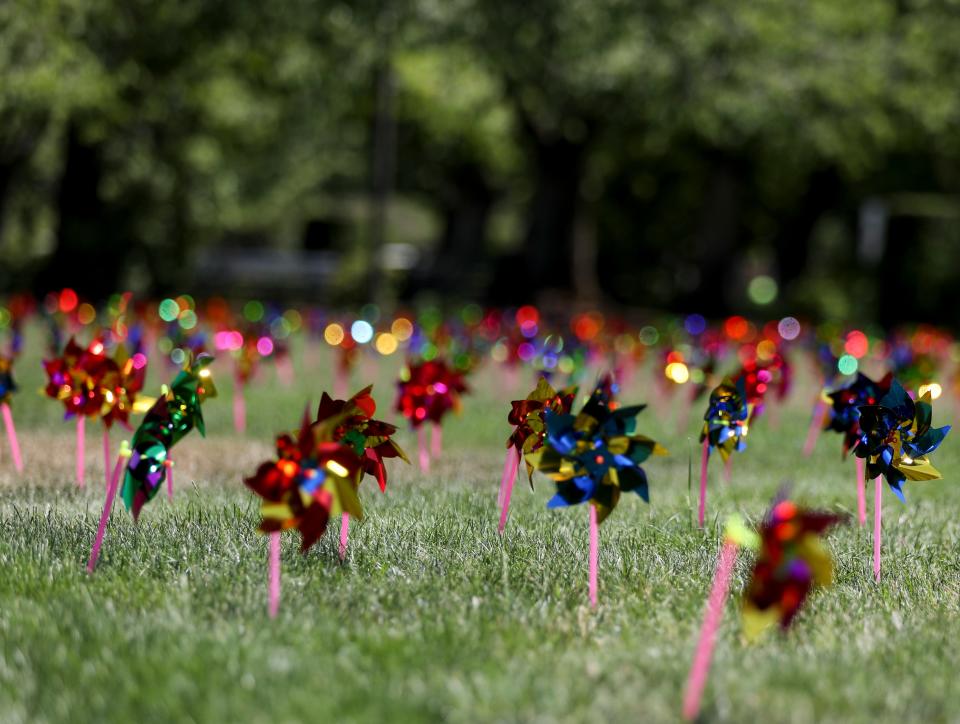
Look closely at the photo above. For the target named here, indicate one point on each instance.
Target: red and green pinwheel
(351, 422)
(530, 430)
(312, 479)
(791, 562)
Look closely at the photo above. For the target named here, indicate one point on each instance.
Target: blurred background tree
(659, 154)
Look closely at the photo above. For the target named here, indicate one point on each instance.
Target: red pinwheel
(426, 392)
(312, 479)
(353, 424)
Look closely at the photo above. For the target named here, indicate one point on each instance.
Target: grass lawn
(434, 616)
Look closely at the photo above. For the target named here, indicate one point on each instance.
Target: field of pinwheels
(432, 614)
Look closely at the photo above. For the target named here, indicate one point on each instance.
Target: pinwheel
(895, 438)
(762, 376)
(426, 392)
(592, 457)
(825, 362)
(120, 380)
(843, 414)
(527, 416)
(7, 388)
(351, 422)
(312, 479)
(247, 359)
(169, 420)
(74, 379)
(790, 562)
(725, 427)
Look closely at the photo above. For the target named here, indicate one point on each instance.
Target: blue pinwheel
(896, 437)
(595, 455)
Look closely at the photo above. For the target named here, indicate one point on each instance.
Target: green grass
(433, 616)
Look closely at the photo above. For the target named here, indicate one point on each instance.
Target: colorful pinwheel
(75, 379)
(595, 455)
(120, 381)
(429, 390)
(176, 413)
(790, 563)
(896, 436)
(426, 392)
(7, 385)
(528, 418)
(312, 479)
(845, 404)
(726, 421)
(351, 422)
(592, 457)
(762, 376)
(528, 435)
(146, 462)
(725, 425)
(7, 388)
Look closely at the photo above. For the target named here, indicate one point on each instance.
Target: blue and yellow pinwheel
(726, 422)
(896, 437)
(595, 455)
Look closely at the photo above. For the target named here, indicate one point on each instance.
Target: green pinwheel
(176, 413)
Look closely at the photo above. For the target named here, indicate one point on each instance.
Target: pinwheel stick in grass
(426, 392)
(896, 438)
(592, 457)
(172, 417)
(791, 561)
(351, 423)
(7, 388)
(725, 427)
(843, 416)
(73, 379)
(311, 480)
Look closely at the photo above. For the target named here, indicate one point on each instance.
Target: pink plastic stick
(877, 518)
(81, 452)
(344, 534)
(12, 437)
(169, 479)
(506, 485)
(594, 554)
(816, 422)
(503, 478)
(341, 381)
(274, 576)
(239, 409)
(697, 679)
(106, 457)
(107, 506)
(701, 512)
(861, 494)
(424, 451)
(436, 441)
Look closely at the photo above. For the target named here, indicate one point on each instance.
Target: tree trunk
(793, 240)
(716, 238)
(90, 242)
(548, 244)
(459, 264)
